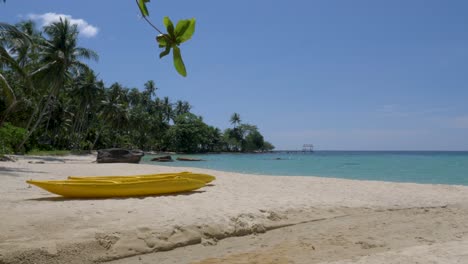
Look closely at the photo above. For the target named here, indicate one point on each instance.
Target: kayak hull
(108, 188)
(187, 175)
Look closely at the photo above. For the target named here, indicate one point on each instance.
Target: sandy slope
(404, 220)
(416, 235)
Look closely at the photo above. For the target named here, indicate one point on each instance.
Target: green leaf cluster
(171, 40)
(182, 32)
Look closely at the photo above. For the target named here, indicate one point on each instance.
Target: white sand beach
(238, 219)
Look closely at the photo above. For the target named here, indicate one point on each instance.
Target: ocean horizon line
(366, 150)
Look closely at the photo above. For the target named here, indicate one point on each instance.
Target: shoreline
(39, 227)
(444, 169)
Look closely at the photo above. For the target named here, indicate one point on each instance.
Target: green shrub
(10, 136)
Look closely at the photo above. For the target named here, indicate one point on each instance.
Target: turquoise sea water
(396, 166)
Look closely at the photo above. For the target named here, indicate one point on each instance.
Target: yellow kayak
(188, 175)
(116, 188)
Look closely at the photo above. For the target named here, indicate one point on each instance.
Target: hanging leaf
(178, 62)
(165, 52)
(180, 29)
(169, 26)
(162, 40)
(188, 32)
(142, 6)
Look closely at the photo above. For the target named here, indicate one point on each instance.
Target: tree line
(51, 99)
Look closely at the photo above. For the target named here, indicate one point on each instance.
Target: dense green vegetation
(10, 136)
(52, 100)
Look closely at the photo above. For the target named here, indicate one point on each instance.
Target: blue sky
(343, 75)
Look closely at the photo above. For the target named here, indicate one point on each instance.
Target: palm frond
(10, 33)
(78, 68)
(86, 54)
(7, 91)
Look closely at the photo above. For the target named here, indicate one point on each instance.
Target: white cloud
(86, 30)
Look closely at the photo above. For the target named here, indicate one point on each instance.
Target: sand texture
(238, 219)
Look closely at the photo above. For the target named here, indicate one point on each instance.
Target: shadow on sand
(63, 199)
(14, 171)
(61, 159)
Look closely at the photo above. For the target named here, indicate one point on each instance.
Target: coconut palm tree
(150, 88)
(182, 107)
(87, 91)
(25, 48)
(118, 93)
(235, 119)
(115, 115)
(60, 60)
(10, 39)
(134, 97)
(27, 54)
(60, 55)
(166, 109)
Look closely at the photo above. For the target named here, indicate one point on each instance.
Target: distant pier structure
(308, 148)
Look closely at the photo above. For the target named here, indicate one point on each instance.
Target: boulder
(163, 159)
(117, 155)
(188, 159)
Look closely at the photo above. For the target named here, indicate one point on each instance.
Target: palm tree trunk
(36, 109)
(38, 121)
(95, 140)
(47, 124)
(7, 111)
(74, 140)
(80, 131)
(10, 94)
